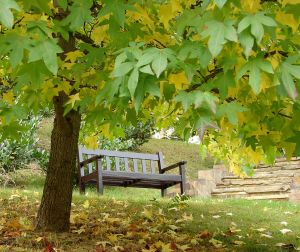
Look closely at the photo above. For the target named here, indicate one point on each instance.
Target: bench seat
(102, 167)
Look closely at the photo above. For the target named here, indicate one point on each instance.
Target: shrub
(135, 136)
(15, 153)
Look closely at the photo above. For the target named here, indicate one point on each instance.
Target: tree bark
(55, 208)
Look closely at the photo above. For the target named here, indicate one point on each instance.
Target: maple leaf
(73, 99)
(6, 16)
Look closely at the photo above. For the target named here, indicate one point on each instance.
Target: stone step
(253, 189)
(291, 168)
(263, 175)
(258, 182)
(277, 196)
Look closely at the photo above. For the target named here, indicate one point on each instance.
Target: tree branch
(85, 39)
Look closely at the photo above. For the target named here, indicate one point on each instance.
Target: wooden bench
(127, 169)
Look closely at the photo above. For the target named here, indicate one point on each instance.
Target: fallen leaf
(284, 223)
(216, 243)
(216, 216)
(266, 236)
(103, 244)
(205, 234)
(86, 204)
(238, 243)
(229, 214)
(285, 231)
(260, 229)
(39, 239)
(289, 247)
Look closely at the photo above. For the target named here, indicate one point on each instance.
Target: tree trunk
(55, 208)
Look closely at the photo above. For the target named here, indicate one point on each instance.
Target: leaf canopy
(223, 64)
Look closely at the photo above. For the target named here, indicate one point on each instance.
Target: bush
(15, 153)
(134, 137)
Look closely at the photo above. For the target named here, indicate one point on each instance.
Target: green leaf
(256, 22)
(146, 58)
(185, 99)
(220, 3)
(133, 81)
(295, 139)
(6, 16)
(216, 41)
(230, 31)
(122, 69)
(244, 23)
(257, 29)
(63, 4)
(254, 66)
(265, 20)
(118, 10)
(254, 78)
(205, 97)
(247, 42)
(219, 33)
(146, 69)
(79, 14)
(47, 51)
(159, 64)
(230, 110)
(288, 71)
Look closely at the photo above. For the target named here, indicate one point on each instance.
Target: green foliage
(16, 153)
(201, 64)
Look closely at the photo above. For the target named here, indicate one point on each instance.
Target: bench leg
(183, 180)
(81, 188)
(163, 192)
(100, 177)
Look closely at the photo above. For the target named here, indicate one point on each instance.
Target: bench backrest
(121, 161)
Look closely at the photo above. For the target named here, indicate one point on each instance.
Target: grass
(129, 222)
(129, 219)
(173, 151)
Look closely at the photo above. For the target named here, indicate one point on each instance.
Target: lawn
(129, 220)
(172, 150)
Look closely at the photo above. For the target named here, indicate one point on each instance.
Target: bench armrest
(170, 167)
(90, 160)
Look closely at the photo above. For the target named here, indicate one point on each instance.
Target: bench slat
(108, 167)
(117, 160)
(147, 177)
(126, 164)
(135, 165)
(144, 166)
(90, 165)
(120, 154)
(152, 166)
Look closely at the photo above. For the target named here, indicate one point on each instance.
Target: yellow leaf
(64, 86)
(103, 243)
(73, 99)
(72, 56)
(265, 82)
(100, 34)
(251, 5)
(86, 204)
(91, 142)
(178, 79)
(105, 130)
(8, 97)
(285, 2)
(142, 16)
(148, 214)
(287, 19)
(39, 239)
(168, 12)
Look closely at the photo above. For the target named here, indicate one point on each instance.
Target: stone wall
(280, 182)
